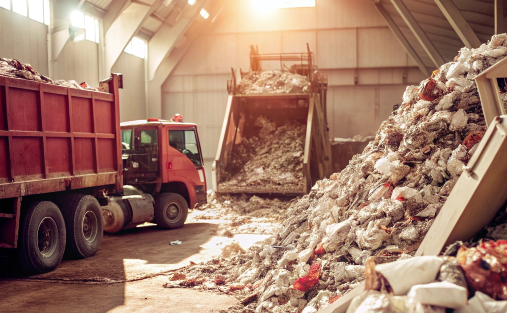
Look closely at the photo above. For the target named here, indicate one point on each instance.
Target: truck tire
(42, 238)
(171, 210)
(83, 219)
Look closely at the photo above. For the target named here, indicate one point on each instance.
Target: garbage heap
(15, 69)
(273, 158)
(243, 214)
(276, 81)
(469, 278)
(381, 205)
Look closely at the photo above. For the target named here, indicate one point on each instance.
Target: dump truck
(64, 158)
(290, 116)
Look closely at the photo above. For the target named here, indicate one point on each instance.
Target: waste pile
(356, 138)
(243, 214)
(469, 277)
(276, 81)
(381, 205)
(15, 69)
(273, 158)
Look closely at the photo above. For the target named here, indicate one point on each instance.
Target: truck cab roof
(152, 121)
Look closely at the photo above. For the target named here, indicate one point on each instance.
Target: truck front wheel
(83, 218)
(42, 238)
(171, 210)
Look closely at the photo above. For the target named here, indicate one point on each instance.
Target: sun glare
(268, 5)
(263, 6)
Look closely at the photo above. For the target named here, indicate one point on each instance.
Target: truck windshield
(185, 142)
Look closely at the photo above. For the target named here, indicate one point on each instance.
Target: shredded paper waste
(276, 81)
(272, 159)
(378, 208)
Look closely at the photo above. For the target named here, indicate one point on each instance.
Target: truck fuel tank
(127, 211)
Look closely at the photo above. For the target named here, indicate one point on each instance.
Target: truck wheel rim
(90, 226)
(47, 237)
(173, 212)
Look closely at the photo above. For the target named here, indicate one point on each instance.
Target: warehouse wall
(24, 39)
(133, 95)
(368, 69)
(78, 61)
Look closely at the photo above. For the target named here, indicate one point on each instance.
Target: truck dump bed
(274, 142)
(54, 138)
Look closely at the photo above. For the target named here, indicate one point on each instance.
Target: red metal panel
(43, 128)
(50, 133)
(56, 113)
(107, 152)
(82, 115)
(24, 110)
(84, 155)
(4, 160)
(58, 154)
(3, 112)
(104, 115)
(27, 157)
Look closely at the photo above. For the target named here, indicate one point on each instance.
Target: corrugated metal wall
(24, 39)
(78, 61)
(368, 69)
(133, 95)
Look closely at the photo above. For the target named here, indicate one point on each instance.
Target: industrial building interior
(253, 156)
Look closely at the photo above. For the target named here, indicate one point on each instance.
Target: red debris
(429, 91)
(333, 299)
(307, 282)
(320, 249)
(236, 287)
(485, 268)
(219, 280)
(472, 139)
(257, 283)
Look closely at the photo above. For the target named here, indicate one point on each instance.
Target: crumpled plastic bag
(307, 282)
(482, 303)
(403, 193)
(375, 301)
(402, 275)
(443, 294)
(451, 272)
(485, 268)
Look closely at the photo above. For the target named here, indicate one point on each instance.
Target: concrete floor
(126, 275)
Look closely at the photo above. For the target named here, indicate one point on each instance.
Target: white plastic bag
(402, 275)
(482, 303)
(443, 294)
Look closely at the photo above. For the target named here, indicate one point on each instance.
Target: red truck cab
(160, 156)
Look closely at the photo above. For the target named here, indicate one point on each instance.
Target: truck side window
(185, 142)
(126, 139)
(148, 141)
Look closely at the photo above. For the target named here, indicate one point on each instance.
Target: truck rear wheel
(171, 210)
(83, 218)
(42, 238)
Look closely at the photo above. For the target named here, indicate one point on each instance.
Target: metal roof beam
(418, 32)
(500, 16)
(62, 11)
(169, 63)
(458, 22)
(123, 28)
(114, 10)
(401, 38)
(166, 38)
(164, 70)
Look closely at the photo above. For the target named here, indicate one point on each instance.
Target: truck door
(144, 157)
